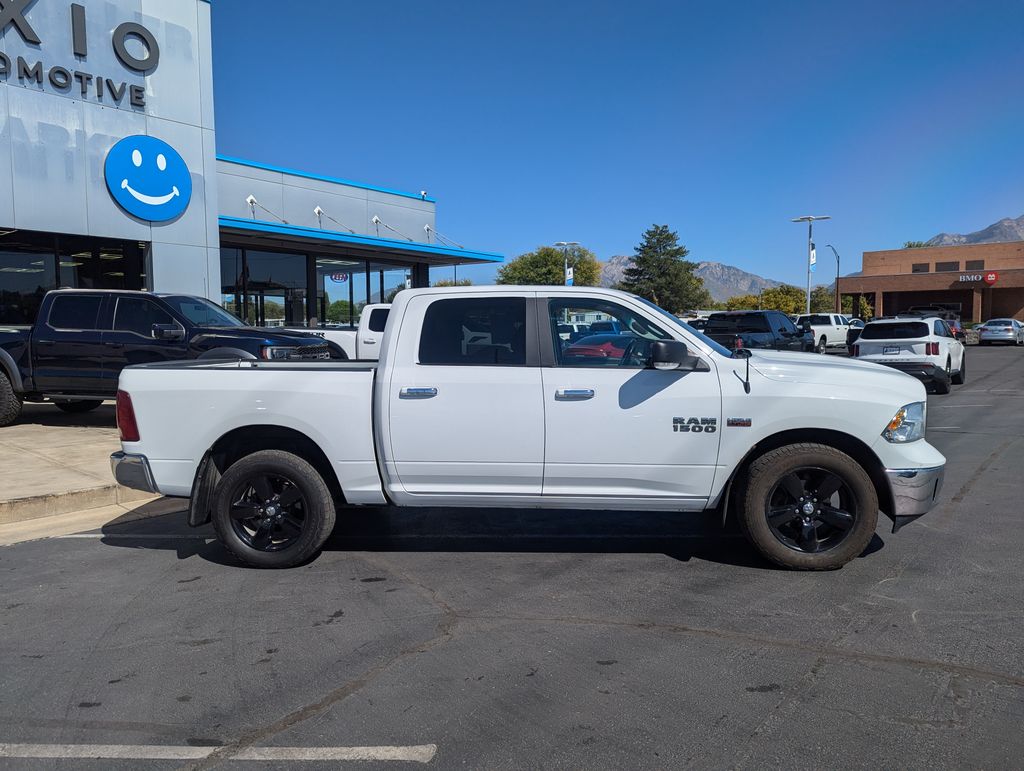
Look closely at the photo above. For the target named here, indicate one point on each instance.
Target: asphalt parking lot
(523, 639)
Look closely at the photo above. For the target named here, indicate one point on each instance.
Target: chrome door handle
(574, 394)
(417, 393)
(369, 342)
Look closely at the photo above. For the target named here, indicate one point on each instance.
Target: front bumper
(914, 492)
(133, 471)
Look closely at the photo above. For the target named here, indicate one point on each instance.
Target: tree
(914, 244)
(661, 273)
(823, 299)
(450, 282)
(742, 302)
(863, 311)
(545, 266)
(338, 311)
(786, 298)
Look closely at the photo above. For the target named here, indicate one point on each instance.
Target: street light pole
(839, 305)
(564, 246)
(809, 219)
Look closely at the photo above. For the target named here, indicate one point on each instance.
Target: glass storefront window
(27, 272)
(341, 290)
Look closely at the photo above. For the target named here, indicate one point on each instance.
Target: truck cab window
(611, 335)
(475, 331)
(135, 314)
(79, 311)
(378, 319)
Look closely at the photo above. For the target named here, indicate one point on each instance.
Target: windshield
(899, 330)
(202, 312)
(719, 349)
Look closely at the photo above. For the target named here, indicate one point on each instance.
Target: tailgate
(896, 350)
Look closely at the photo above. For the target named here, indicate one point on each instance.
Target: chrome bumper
(914, 492)
(133, 471)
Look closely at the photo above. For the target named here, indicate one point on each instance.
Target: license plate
(890, 349)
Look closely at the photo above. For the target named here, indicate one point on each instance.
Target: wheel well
(851, 445)
(240, 442)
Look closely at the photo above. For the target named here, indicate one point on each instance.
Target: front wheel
(10, 402)
(79, 406)
(272, 509)
(808, 507)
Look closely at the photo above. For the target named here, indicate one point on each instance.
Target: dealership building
(110, 178)
(979, 281)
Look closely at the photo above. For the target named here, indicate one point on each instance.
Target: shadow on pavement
(47, 414)
(386, 529)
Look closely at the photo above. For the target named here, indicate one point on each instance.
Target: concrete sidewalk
(53, 463)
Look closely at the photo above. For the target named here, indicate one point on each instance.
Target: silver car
(1001, 331)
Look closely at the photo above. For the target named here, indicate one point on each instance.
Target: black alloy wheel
(268, 511)
(811, 509)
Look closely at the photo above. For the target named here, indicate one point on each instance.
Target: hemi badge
(738, 422)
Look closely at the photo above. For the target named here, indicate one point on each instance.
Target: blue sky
(533, 122)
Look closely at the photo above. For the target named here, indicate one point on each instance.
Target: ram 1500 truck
(474, 404)
(829, 329)
(82, 339)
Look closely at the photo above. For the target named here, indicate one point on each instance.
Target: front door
(465, 417)
(616, 430)
(131, 340)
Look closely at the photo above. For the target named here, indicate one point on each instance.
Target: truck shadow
(385, 529)
(103, 416)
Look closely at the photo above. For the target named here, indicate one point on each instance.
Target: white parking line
(422, 753)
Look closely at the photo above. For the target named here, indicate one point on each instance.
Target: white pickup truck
(478, 401)
(363, 342)
(829, 329)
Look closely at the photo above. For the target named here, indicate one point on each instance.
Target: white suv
(922, 346)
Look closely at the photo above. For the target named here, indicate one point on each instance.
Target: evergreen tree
(660, 273)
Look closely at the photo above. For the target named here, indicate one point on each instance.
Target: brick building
(979, 281)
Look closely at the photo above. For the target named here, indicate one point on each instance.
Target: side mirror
(672, 355)
(168, 332)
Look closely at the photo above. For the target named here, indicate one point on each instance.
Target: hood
(270, 335)
(823, 369)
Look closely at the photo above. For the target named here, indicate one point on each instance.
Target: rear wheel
(10, 402)
(961, 376)
(808, 507)
(943, 385)
(822, 345)
(272, 509)
(79, 405)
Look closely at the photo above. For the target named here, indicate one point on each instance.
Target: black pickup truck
(758, 329)
(82, 339)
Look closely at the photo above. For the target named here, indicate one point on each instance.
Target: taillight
(932, 349)
(126, 418)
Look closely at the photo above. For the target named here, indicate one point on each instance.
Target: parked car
(604, 347)
(612, 325)
(1001, 331)
(699, 324)
(951, 317)
(473, 403)
(922, 347)
(856, 327)
(757, 329)
(82, 339)
(829, 329)
(571, 332)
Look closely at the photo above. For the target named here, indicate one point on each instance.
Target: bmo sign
(990, 278)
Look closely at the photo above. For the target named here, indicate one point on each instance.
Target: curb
(91, 519)
(54, 504)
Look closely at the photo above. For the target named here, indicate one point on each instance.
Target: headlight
(907, 425)
(277, 352)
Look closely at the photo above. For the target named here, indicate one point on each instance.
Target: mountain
(1005, 230)
(723, 281)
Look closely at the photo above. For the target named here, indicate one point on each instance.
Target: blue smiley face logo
(148, 178)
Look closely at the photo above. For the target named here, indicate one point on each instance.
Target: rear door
(371, 331)
(465, 415)
(131, 340)
(67, 346)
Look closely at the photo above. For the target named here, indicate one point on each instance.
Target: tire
(961, 376)
(79, 405)
(265, 482)
(822, 345)
(10, 402)
(944, 385)
(789, 473)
